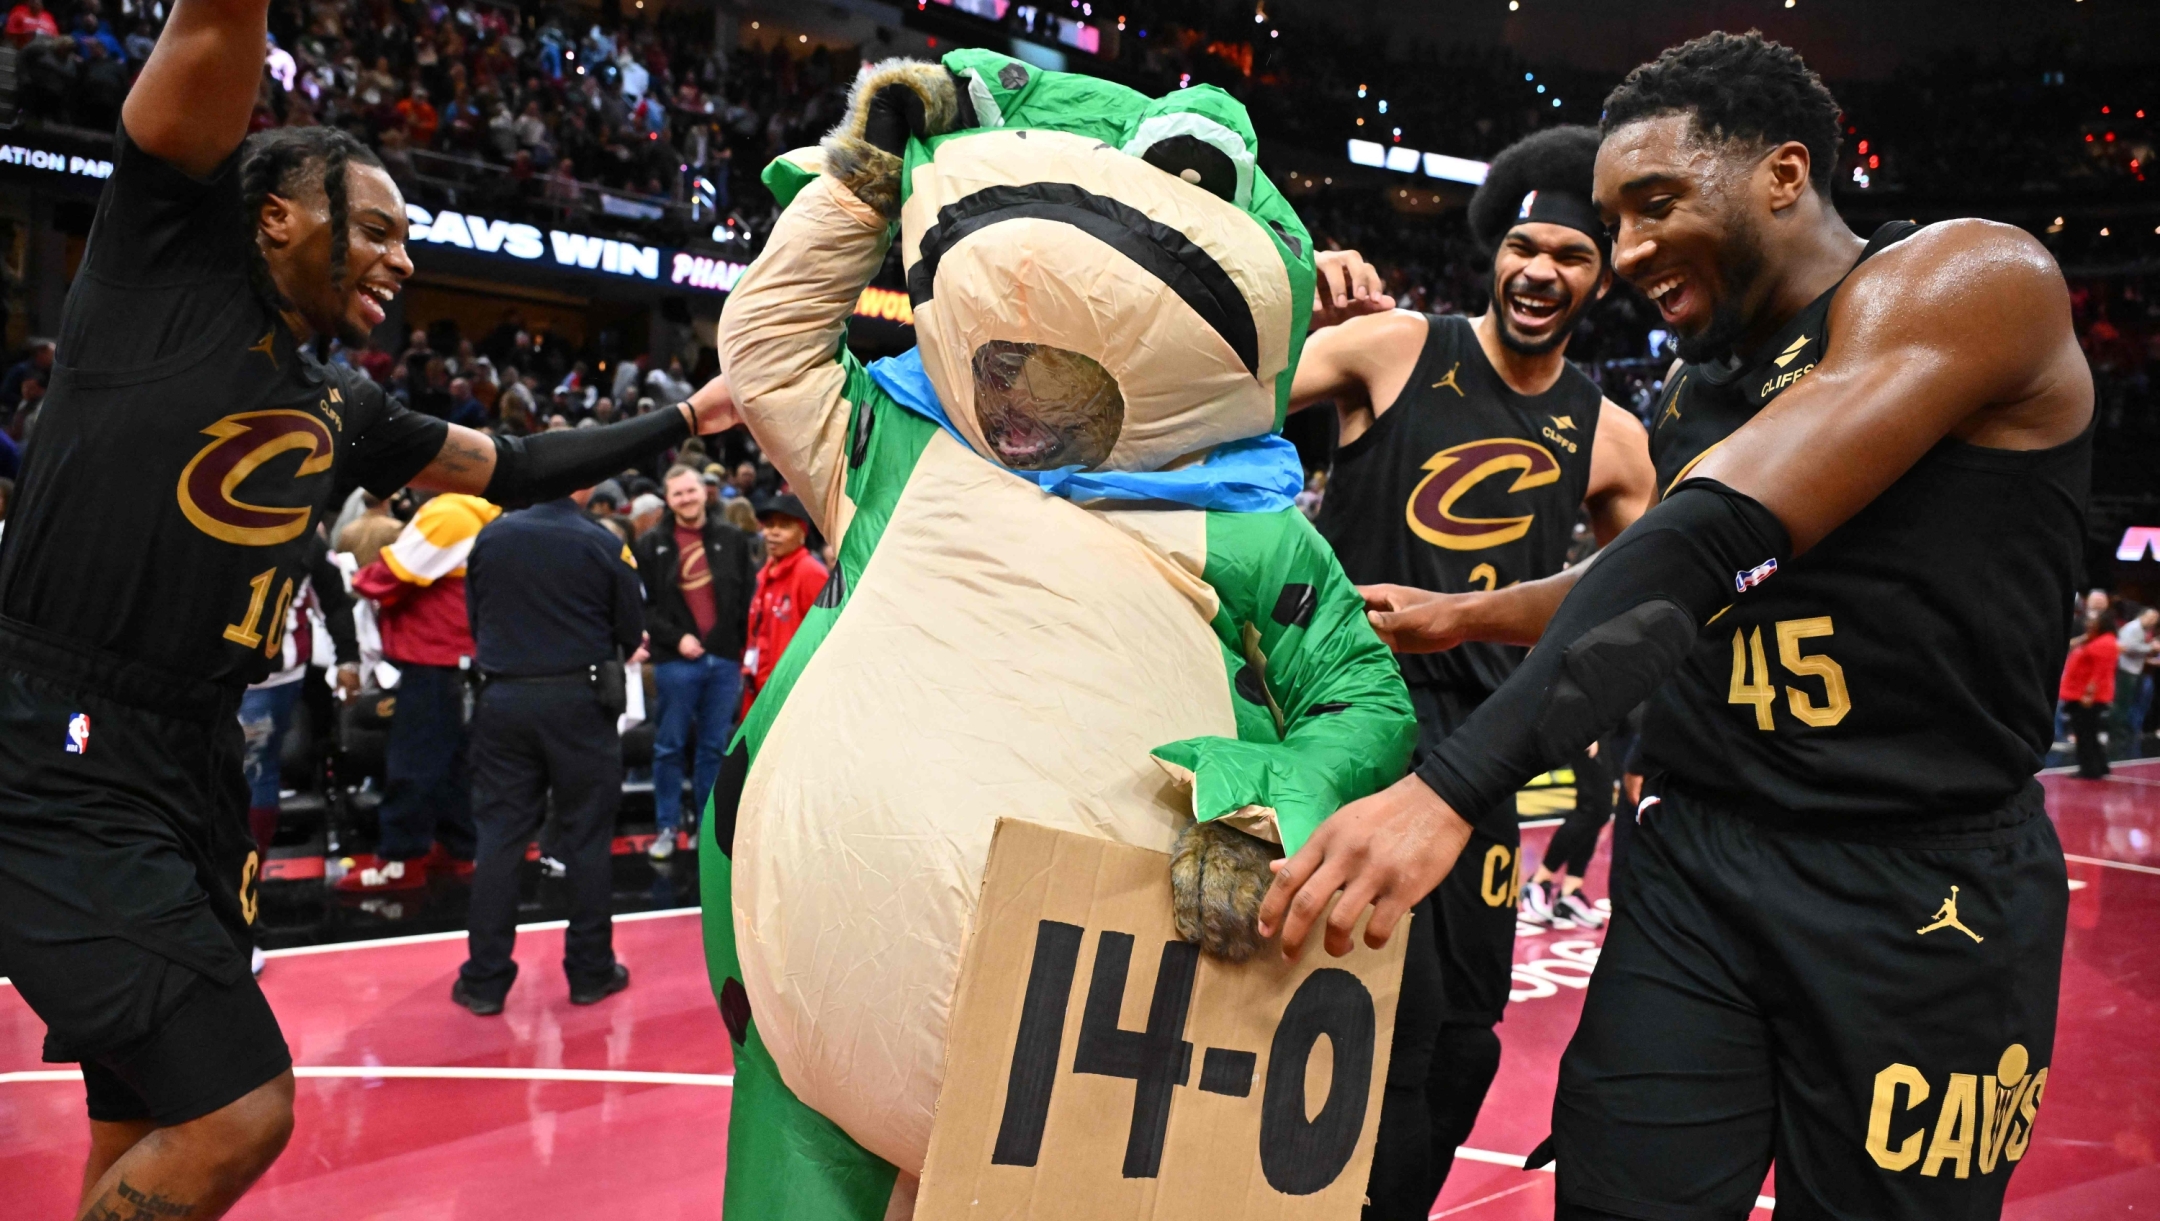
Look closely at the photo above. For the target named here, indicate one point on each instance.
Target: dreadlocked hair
(289, 162)
(1737, 87)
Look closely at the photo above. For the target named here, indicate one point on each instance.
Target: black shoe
(591, 994)
(480, 1005)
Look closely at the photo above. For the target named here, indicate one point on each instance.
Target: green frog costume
(1071, 585)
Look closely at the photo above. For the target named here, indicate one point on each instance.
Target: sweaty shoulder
(1988, 301)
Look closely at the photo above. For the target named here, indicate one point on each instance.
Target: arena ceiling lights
(1408, 160)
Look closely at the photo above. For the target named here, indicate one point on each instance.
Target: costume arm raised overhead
(782, 335)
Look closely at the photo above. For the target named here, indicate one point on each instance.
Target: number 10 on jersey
(1751, 683)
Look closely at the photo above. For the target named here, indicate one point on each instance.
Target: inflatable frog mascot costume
(1071, 584)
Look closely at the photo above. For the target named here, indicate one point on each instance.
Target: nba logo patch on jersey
(78, 734)
(1528, 202)
(1745, 581)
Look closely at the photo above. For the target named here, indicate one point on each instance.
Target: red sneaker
(372, 875)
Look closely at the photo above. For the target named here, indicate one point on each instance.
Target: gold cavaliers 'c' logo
(210, 483)
(1457, 469)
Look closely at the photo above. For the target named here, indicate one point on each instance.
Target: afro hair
(1555, 159)
(1739, 88)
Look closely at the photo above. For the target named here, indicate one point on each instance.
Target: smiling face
(1544, 277)
(295, 238)
(1686, 213)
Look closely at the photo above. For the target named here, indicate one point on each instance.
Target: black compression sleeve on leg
(1621, 631)
(551, 464)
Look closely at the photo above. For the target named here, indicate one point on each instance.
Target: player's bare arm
(190, 106)
(1921, 357)
(1623, 484)
(1361, 366)
(1920, 351)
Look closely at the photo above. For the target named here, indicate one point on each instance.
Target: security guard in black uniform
(555, 605)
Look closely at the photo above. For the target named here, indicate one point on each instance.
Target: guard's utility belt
(604, 677)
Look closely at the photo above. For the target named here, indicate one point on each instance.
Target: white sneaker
(553, 868)
(1577, 909)
(1536, 905)
(255, 961)
(663, 846)
(689, 840)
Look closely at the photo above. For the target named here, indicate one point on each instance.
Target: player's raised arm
(190, 106)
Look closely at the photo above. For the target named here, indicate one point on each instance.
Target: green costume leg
(785, 1162)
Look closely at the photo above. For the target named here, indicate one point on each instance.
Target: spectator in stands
(787, 586)
(2133, 681)
(266, 707)
(370, 530)
(646, 510)
(698, 581)
(464, 408)
(29, 21)
(2088, 689)
(738, 513)
(36, 366)
(418, 587)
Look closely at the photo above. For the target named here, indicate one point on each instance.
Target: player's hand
(1386, 852)
(348, 682)
(1346, 287)
(1417, 620)
(712, 408)
(689, 647)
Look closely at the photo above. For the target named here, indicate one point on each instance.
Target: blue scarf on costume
(1254, 475)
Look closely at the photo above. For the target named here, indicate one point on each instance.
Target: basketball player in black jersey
(1465, 452)
(1842, 936)
(188, 444)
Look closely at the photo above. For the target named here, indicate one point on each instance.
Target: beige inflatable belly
(1004, 653)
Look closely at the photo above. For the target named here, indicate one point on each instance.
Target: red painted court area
(410, 1109)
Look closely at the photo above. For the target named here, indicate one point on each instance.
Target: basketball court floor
(411, 1109)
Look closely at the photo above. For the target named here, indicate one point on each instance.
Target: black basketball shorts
(1474, 907)
(1875, 1017)
(127, 880)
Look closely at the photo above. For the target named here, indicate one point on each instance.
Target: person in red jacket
(786, 587)
(418, 587)
(2088, 690)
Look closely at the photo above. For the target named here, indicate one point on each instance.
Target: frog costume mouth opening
(1043, 408)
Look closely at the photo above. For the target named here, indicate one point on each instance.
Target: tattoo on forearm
(462, 456)
(128, 1203)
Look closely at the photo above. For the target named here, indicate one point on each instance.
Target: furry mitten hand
(1218, 875)
(891, 101)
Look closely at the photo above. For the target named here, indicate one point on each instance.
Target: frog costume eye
(1135, 234)
(1202, 136)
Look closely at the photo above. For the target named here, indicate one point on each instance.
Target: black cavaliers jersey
(1905, 667)
(187, 444)
(1462, 484)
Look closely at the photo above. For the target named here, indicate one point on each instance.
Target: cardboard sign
(1100, 1067)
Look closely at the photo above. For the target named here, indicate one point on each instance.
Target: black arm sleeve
(1620, 632)
(551, 464)
(329, 586)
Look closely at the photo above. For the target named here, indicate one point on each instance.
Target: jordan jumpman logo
(1450, 382)
(1946, 917)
